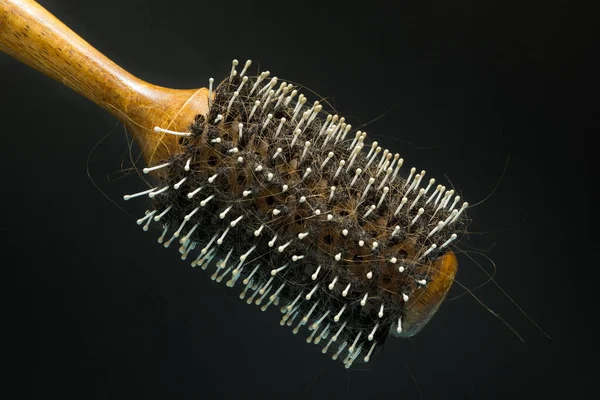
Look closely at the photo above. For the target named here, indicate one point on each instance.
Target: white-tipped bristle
(170, 132)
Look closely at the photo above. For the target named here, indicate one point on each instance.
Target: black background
(471, 88)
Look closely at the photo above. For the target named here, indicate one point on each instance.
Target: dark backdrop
(470, 89)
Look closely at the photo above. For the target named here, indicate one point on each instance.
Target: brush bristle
(299, 214)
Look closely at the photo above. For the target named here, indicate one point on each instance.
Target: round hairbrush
(282, 200)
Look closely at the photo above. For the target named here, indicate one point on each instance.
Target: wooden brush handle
(32, 35)
(29, 33)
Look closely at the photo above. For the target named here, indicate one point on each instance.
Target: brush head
(302, 213)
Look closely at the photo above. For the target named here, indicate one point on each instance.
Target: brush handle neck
(32, 35)
(29, 33)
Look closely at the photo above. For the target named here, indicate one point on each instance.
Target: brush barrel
(32, 35)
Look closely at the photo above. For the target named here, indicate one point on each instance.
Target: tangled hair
(299, 215)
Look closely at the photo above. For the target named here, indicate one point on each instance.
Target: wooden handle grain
(31, 34)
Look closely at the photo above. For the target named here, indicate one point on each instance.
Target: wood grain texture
(32, 35)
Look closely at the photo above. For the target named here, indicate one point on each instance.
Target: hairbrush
(299, 211)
